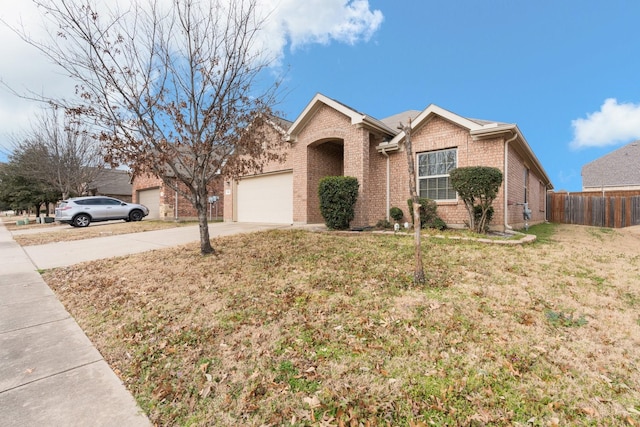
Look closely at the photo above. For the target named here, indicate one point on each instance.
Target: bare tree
(176, 87)
(418, 274)
(60, 152)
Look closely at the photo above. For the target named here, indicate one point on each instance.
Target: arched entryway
(324, 158)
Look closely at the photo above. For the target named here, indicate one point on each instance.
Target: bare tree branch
(59, 151)
(176, 90)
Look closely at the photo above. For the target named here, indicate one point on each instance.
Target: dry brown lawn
(302, 328)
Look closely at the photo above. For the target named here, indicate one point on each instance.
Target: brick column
(300, 191)
(356, 164)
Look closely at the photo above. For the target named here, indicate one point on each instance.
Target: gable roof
(356, 117)
(618, 168)
(476, 127)
(479, 129)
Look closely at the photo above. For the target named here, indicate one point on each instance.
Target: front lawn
(302, 328)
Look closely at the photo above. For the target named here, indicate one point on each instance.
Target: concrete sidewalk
(50, 373)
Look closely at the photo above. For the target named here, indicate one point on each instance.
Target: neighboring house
(616, 171)
(330, 138)
(167, 204)
(113, 183)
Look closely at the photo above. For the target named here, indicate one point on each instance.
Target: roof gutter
(496, 131)
(378, 125)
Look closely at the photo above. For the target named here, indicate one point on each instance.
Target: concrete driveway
(62, 254)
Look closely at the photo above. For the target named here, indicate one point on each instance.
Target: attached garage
(265, 198)
(151, 199)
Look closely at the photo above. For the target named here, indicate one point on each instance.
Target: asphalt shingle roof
(620, 168)
(113, 182)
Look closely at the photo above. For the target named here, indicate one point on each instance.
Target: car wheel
(81, 220)
(136, 215)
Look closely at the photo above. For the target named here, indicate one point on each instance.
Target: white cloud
(296, 23)
(615, 123)
(292, 23)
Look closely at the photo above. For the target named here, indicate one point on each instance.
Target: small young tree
(477, 186)
(418, 274)
(428, 211)
(338, 196)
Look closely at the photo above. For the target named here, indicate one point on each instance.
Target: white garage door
(266, 198)
(151, 199)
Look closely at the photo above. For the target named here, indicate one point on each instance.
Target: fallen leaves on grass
(300, 328)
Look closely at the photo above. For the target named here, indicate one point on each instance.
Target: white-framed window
(433, 174)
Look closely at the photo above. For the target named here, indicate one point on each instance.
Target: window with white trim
(433, 174)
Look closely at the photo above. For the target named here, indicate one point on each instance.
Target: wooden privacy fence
(613, 209)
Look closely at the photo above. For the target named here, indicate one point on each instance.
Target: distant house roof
(394, 121)
(113, 182)
(619, 169)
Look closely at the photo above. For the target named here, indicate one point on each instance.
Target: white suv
(81, 211)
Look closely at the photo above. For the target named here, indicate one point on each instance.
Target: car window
(82, 202)
(111, 202)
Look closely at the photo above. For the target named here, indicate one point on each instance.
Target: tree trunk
(203, 225)
(418, 275)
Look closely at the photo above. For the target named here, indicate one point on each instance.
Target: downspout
(176, 202)
(384, 152)
(506, 181)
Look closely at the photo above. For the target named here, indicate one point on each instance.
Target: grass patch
(558, 318)
(544, 232)
(306, 329)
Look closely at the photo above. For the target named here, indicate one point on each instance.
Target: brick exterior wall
(516, 183)
(329, 144)
(169, 199)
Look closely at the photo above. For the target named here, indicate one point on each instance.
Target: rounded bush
(396, 213)
(338, 195)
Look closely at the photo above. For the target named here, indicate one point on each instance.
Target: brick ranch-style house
(330, 138)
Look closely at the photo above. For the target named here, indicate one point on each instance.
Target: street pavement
(50, 373)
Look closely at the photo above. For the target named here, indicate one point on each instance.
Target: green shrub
(477, 186)
(437, 224)
(396, 214)
(338, 195)
(383, 224)
(428, 214)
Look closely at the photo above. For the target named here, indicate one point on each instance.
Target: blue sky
(566, 72)
(541, 65)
